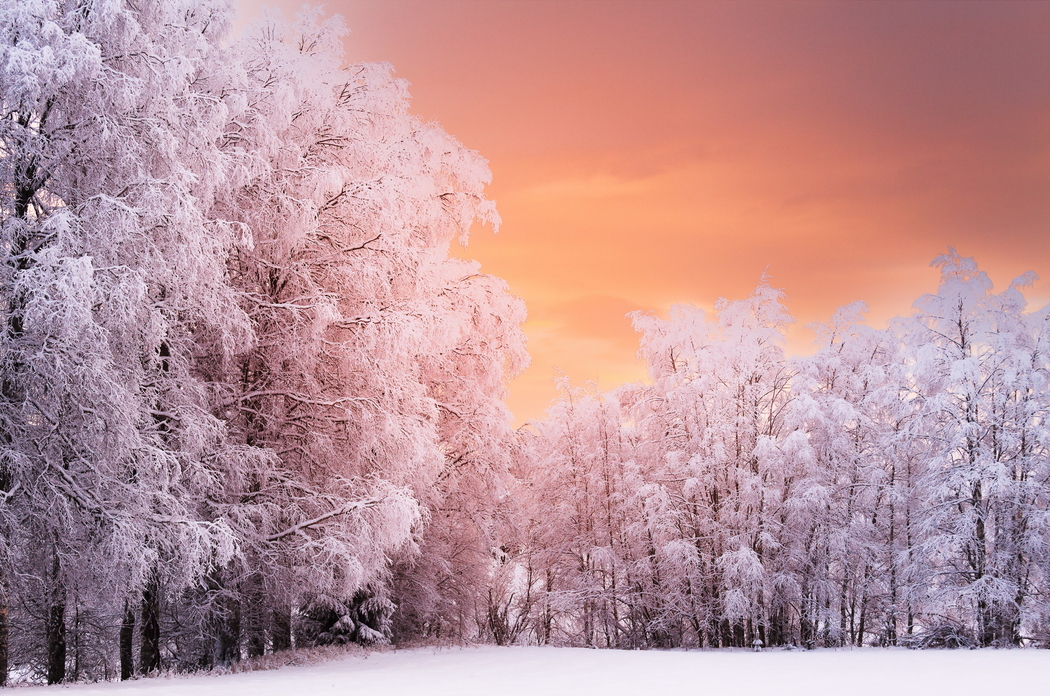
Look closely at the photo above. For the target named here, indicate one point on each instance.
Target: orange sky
(652, 152)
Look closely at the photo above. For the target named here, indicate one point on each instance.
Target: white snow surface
(521, 671)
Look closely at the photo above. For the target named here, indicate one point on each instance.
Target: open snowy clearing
(520, 671)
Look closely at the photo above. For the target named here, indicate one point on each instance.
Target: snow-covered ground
(530, 671)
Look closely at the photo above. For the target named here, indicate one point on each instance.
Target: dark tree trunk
(254, 643)
(254, 627)
(739, 637)
(985, 624)
(862, 627)
(998, 624)
(55, 627)
(56, 643)
(127, 638)
(228, 638)
(282, 630)
(149, 650)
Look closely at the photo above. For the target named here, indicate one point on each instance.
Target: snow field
(535, 671)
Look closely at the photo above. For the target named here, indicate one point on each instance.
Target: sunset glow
(648, 153)
(698, 328)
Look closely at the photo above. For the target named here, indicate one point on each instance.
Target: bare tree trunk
(77, 652)
(548, 616)
(254, 624)
(861, 628)
(808, 619)
(127, 638)
(844, 618)
(55, 627)
(282, 629)
(56, 644)
(228, 633)
(149, 650)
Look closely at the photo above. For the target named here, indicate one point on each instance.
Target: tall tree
(239, 367)
(980, 373)
(381, 362)
(724, 388)
(114, 287)
(859, 492)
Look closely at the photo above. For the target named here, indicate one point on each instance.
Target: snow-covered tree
(854, 532)
(685, 485)
(381, 363)
(979, 368)
(239, 367)
(718, 409)
(892, 486)
(248, 399)
(441, 591)
(115, 288)
(575, 553)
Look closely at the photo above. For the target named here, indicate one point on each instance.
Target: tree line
(250, 401)
(893, 488)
